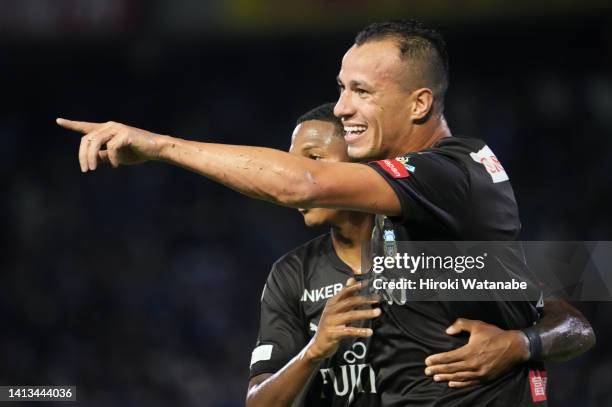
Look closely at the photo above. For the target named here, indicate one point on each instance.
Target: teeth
(354, 129)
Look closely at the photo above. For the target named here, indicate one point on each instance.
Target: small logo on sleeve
(404, 160)
(261, 353)
(487, 158)
(537, 381)
(395, 168)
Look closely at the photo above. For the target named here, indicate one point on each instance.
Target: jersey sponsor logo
(537, 382)
(261, 353)
(352, 378)
(394, 167)
(357, 351)
(487, 158)
(323, 293)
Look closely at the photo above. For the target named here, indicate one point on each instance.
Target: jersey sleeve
(282, 332)
(430, 187)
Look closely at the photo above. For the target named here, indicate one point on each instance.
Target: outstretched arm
(258, 172)
(492, 351)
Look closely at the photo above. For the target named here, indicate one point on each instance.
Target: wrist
(535, 343)
(522, 341)
(164, 145)
(312, 354)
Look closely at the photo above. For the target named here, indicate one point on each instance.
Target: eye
(361, 92)
(314, 157)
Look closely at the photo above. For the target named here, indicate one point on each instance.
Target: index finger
(452, 356)
(82, 127)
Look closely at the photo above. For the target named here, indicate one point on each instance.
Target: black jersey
(293, 299)
(456, 190)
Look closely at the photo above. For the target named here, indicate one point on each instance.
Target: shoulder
(463, 150)
(289, 273)
(455, 157)
(477, 157)
(299, 254)
(446, 162)
(293, 264)
(450, 147)
(454, 150)
(457, 143)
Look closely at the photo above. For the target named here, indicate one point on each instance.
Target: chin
(313, 221)
(361, 153)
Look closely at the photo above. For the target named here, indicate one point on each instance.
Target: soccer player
(298, 342)
(305, 348)
(392, 85)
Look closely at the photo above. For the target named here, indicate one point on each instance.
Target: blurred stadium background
(141, 286)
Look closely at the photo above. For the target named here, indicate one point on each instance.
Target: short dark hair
(324, 113)
(420, 44)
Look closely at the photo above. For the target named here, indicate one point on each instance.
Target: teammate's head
(318, 135)
(392, 79)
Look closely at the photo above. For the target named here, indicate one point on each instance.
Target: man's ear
(422, 104)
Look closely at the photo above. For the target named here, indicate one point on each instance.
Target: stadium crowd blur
(141, 285)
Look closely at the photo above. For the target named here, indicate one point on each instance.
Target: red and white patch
(395, 168)
(537, 381)
(487, 158)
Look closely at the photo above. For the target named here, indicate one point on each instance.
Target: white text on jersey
(318, 294)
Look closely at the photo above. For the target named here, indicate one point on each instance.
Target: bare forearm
(257, 172)
(283, 388)
(565, 332)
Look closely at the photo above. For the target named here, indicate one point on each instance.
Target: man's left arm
(564, 332)
(257, 172)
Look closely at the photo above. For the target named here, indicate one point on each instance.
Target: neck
(425, 135)
(348, 235)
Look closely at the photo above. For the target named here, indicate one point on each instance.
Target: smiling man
(302, 317)
(380, 88)
(434, 187)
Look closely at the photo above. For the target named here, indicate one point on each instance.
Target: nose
(344, 107)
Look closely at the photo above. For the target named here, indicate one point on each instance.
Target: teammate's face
(374, 103)
(317, 140)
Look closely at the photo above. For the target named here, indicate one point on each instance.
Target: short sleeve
(282, 333)
(429, 185)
